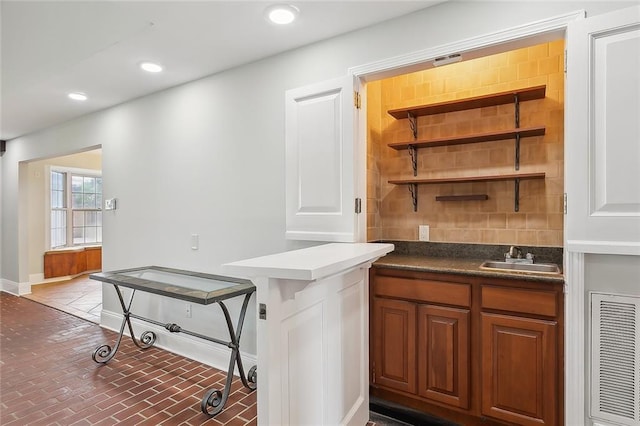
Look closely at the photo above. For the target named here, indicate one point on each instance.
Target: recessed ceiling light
(282, 14)
(151, 67)
(77, 96)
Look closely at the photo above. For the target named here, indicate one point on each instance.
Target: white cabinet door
(320, 166)
(602, 151)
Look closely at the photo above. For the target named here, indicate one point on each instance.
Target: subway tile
(542, 153)
(539, 51)
(528, 237)
(517, 56)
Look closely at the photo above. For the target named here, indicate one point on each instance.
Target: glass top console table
(204, 289)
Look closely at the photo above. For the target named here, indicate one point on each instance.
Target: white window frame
(47, 193)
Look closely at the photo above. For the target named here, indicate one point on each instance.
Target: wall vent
(615, 366)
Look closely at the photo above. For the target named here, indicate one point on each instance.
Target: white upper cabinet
(602, 155)
(320, 162)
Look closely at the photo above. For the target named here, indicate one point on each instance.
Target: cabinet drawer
(423, 290)
(538, 302)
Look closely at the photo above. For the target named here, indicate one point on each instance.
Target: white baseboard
(9, 286)
(208, 353)
(17, 289)
(36, 278)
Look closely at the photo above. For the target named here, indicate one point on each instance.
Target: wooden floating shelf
(516, 178)
(474, 138)
(528, 94)
(471, 197)
(468, 179)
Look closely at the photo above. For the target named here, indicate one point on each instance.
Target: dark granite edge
(543, 254)
(389, 263)
(465, 259)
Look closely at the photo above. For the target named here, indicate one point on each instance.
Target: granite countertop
(440, 261)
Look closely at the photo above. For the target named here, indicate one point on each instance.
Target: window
(76, 208)
(58, 210)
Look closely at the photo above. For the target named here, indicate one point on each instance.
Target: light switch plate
(110, 204)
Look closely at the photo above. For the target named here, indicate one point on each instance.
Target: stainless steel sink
(541, 268)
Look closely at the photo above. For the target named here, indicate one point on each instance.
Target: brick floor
(47, 376)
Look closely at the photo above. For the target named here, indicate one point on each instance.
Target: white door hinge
(356, 99)
(358, 205)
(564, 204)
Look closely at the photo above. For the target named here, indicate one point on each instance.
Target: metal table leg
(104, 353)
(214, 400)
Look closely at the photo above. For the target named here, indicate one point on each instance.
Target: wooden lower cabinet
(443, 354)
(394, 343)
(519, 369)
(475, 351)
(75, 261)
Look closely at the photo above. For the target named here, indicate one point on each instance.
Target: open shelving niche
(502, 98)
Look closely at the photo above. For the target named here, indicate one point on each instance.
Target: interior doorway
(64, 231)
(462, 157)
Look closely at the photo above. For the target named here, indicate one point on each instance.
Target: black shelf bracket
(516, 195)
(516, 102)
(413, 153)
(413, 189)
(413, 124)
(517, 160)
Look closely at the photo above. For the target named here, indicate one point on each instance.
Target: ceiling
(51, 48)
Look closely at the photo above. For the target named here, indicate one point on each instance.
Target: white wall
(208, 157)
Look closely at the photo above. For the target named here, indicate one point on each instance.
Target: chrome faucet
(515, 252)
(515, 255)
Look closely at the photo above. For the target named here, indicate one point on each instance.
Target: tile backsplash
(539, 221)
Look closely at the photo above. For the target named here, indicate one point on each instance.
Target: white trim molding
(553, 26)
(10, 287)
(574, 338)
(605, 247)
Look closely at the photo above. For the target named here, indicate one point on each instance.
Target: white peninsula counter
(313, 333)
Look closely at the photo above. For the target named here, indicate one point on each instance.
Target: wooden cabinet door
(394, 344)
(519, 369)
(443, 355)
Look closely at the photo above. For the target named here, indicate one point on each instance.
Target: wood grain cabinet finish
(477, 351)
(395, 344)
(443, 354)
(62, 263)
(519, 369)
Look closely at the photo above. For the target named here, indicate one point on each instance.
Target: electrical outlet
(187, 312)
(423, 232)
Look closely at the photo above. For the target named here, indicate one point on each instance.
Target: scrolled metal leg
(250, 384)
(212, 399)
(216, 399)
(104, 353)
(147, 339)
(253, 375)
